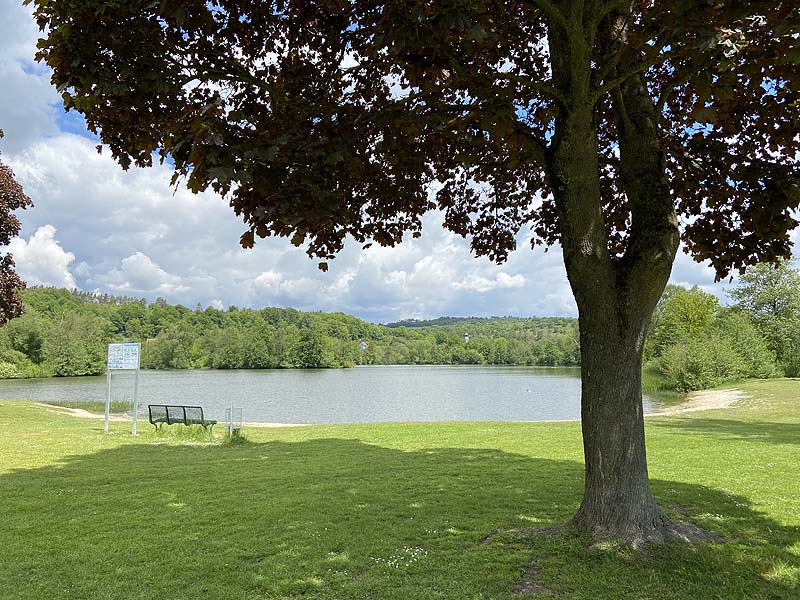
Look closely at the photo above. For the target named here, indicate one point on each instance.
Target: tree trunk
(617, 502)
(615, 294)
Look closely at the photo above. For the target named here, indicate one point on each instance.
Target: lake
(358, 395)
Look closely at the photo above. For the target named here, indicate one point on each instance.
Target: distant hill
(65, 333)
(454, 321)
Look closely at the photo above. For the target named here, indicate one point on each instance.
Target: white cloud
(41, 260)
(269, 280)
(28, 103)
(132, 233)
(139, 274)
(502, 280)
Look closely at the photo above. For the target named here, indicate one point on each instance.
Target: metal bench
(170, 414)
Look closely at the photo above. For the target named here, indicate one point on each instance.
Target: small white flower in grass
(402, 557)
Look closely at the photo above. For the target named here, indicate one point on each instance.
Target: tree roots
(663, 531)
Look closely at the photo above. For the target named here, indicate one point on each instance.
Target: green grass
(388, 511)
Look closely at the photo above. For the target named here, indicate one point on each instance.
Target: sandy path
(81, 413)
(705, 400)
(272, 424)
(85, 414)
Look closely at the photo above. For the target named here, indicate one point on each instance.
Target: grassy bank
(387, 511)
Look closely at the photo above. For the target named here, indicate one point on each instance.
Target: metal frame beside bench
(172, 414)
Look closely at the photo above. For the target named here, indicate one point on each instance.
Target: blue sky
(96, 227)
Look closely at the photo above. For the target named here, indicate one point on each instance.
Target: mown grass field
(391, 511)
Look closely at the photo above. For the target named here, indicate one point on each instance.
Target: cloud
(28, 103)
(689, 273)
(131, 233)
(482, 284)
(139, 274)
(41, 260)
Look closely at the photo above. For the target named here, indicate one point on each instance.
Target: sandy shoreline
(704, 400)
(695, 402)
(80, 413)
(85, 414)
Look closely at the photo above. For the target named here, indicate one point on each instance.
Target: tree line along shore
(693, 342)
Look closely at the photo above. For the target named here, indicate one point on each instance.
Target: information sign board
(123, 356)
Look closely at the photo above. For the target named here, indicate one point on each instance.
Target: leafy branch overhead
(11, 198)
(331, 118)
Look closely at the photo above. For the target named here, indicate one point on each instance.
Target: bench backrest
(158, 412)
(193, 414)
(175, 414)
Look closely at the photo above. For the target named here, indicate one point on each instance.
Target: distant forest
(65, 333)
(693, 342)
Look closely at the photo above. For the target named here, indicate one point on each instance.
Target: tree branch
(540, 149)
(637, 68)
(547, 90)
(610, 7)
(653, 238)
(553, 12)
(671, 87)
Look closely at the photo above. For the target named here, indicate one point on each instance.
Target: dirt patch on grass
(706, 400)
(529, 585)
(81, 413)
(275, 424)
(85, 414)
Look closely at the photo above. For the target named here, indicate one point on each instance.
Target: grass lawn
(390, 511)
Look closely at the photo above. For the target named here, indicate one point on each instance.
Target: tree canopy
(328, 118)
(11, 198)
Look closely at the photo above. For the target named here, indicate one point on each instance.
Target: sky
(98, 228)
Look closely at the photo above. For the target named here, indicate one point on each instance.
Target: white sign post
(123, 357)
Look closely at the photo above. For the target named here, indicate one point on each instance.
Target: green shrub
(701, 363)
(8, 371)
(737, 329)
(22, 365)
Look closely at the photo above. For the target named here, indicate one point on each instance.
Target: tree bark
(617, 502)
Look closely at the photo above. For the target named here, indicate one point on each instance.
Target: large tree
(11, 198)
(596, 124)
(771, 294)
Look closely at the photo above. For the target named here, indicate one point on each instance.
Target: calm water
(362, 394)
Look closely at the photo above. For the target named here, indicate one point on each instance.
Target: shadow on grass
(754, 431)
(336, 518)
